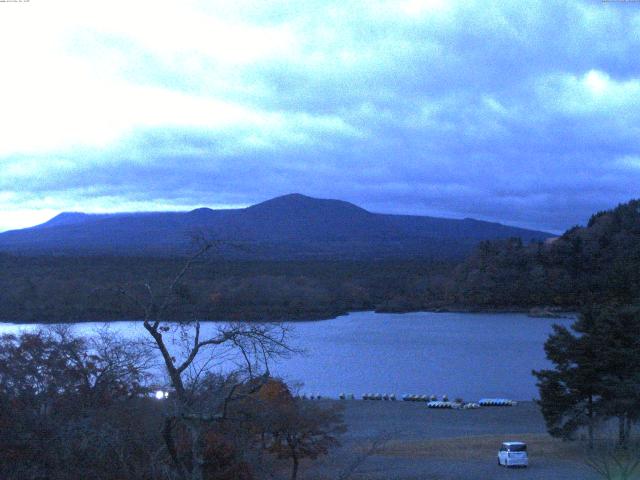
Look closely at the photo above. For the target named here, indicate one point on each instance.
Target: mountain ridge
(289, 226)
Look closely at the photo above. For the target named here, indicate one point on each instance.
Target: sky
(526, 113)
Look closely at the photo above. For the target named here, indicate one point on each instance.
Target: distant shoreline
(535, 312)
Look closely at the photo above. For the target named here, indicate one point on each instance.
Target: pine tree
(596, 373)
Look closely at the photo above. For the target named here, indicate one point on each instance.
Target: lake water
(458, 354)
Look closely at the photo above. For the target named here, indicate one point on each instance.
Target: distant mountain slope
(291, 226)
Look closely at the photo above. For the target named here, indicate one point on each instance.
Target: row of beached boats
(424, 398)
(432, 401)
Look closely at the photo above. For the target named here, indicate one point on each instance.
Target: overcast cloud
(527, 113)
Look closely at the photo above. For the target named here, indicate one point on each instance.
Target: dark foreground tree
(293, 428)
(305, 430)
(71, 407)
(569, 392)
(596, 374)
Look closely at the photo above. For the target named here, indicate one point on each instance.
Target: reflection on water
(458, 354)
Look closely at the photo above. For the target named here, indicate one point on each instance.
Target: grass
(482, 447)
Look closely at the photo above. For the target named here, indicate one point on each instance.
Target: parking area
(425, 444)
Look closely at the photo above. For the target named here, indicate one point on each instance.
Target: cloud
(484, 109)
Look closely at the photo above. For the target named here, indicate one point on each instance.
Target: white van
(513, 454)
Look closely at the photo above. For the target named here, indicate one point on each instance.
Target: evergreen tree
(617, 332)
(568, 393)
(596, 373)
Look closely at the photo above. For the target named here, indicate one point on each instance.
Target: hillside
(288, 227)
(599, 262)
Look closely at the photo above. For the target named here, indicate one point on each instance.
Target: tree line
(71, 289)
(596, 264)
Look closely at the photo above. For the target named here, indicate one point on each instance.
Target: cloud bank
(528, 114)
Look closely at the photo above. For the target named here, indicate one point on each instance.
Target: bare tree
(187, 360)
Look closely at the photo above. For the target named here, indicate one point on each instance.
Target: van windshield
(517, 448)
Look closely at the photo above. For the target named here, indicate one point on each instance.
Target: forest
(61, 289)
(598, 263)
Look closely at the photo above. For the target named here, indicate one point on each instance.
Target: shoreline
(532, 312)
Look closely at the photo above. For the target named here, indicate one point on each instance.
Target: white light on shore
(160, 394)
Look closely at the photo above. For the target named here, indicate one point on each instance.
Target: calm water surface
(458, 354)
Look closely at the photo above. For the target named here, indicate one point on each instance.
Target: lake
(468, 355)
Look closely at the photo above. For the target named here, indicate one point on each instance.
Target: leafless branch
(374, 447)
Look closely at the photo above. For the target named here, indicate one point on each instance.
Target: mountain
(291, 226)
